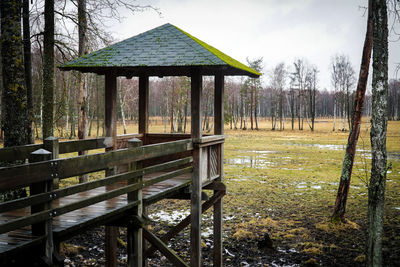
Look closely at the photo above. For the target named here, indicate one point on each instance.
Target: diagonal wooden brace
(184, 223)
(164, 249)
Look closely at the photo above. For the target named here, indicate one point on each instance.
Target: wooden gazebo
(170, 51)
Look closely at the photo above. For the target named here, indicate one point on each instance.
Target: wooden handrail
(26, 174)
(9, 154)
(56, 194)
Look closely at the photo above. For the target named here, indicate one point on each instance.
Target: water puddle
(256, 162)
(320, 146)
(303, 185)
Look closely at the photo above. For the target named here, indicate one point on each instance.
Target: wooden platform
(72, 223)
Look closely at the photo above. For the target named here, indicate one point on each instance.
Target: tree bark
(347, 166)
(28, 70)
(83, 94)
(14, 89)
(376, 190)
(48, 70)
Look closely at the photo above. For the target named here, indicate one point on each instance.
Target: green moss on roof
(166, 45)
(224, 57)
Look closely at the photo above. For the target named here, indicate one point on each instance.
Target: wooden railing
(22, 153)
(41, 170)
(212, 156)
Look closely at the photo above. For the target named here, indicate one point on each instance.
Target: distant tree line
(291, 97)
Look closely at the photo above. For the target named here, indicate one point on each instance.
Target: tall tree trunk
(251, 107)
(255, 107)
(280, 109)
(83, 94)
(48, 69)
(186, 109)
(14, 90)
(334, 112)
(28, 70)
(376, 190)
(121, 106)
(347, 167)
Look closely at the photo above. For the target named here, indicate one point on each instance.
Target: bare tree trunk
(28, 70)
(376, 190)
(82, 99)
(344, 185)
(121, 106)
(255, 108)
(14, 91)
(186, 109)
(334, 112)
(48, 69)
(251, 107)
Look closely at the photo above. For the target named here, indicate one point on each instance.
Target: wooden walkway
(72, 223)
(32, 227)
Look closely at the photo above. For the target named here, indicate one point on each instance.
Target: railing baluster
(134, 233)
(42, 228)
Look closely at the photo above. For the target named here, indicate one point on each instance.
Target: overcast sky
(277, 30)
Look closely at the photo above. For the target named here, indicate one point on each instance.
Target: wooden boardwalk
(72, 223)
(32, 227)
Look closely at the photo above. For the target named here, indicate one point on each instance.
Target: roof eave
(134, 71)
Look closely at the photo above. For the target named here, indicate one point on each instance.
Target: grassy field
(284, 183)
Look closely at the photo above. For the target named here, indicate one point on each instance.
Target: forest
(298, 157)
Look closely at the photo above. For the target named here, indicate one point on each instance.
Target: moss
(227, 59)
(67, 249)
(310, 262)
(243, 234)
(313, 250)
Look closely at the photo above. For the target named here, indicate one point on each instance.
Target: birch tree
(377, 183)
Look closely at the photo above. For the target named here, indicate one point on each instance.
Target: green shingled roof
(164, 46)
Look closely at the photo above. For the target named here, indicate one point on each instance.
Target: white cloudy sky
(277, 30)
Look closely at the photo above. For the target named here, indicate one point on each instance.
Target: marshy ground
(282, 183)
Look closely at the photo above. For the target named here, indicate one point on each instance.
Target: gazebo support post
(110, 122)
(195, 230)
(144, 107)
(218, 130)
(144, 128)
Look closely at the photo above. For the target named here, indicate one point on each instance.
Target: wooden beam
(110, 111)
(144, 106)
(110, 123)
(134, 233)
(185, 222)
(219, 104)
(195, 230)
(218, 130)
(164, 249)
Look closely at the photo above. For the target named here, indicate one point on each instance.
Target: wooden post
(218, 129)
(144, 106)
(144, 126)
(51, 144)
(110, 113)
(135, 233)
(195, 230)
(43, 228)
